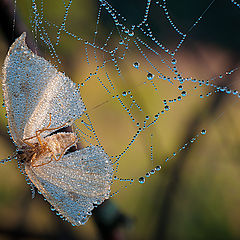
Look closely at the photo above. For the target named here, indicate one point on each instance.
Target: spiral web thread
(153, 60)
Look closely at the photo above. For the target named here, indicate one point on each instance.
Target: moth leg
(40, 140)
(33, 159)
(38, 132)
(50, 120)
(52, 154)
(47, 127)
(53, 157)
(51, 129)
(29, 144)
(29, 138)
(64, 150)
(42, 164)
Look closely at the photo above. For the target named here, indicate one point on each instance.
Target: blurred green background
(196, 195)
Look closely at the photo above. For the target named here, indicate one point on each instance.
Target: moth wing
(75, 183)
(33, 88)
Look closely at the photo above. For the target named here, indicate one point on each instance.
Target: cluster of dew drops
(199, 83)
(157, 168)
(127, 35)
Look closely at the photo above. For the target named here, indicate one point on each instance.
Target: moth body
(51, 147)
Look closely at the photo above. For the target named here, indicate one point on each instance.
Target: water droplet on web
(203, 132)
(166, 108)
(158, 168)
(131, 33)
(152, 171)
(141, 180)
(124, 93)
(150, 76)
(136, 64)
(147, 174)
(184, 93)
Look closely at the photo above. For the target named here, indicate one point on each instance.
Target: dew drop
(150, 76)
(131, 33)
(136, 64)
(158, 168)
(141, 180)
(180, 87)
(166, 108)
(203, 132)
(184, 93)
(124, 93)
(152, 171)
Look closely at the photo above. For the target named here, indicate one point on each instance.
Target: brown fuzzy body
(50, 148)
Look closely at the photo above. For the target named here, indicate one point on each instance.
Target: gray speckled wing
(33, 88)
(74, 183)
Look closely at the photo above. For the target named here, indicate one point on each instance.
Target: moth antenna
(5, 160)
(10, 158)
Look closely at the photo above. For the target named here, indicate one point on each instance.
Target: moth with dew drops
(39, 100)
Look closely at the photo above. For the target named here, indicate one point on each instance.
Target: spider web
(131, 75)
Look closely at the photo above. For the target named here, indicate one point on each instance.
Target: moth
(39, 101)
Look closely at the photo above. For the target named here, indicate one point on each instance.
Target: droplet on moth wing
(40, 100)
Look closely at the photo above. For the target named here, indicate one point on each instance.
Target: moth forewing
(76, 183)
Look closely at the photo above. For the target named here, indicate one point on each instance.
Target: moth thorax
(26, 153)
(60, 142)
